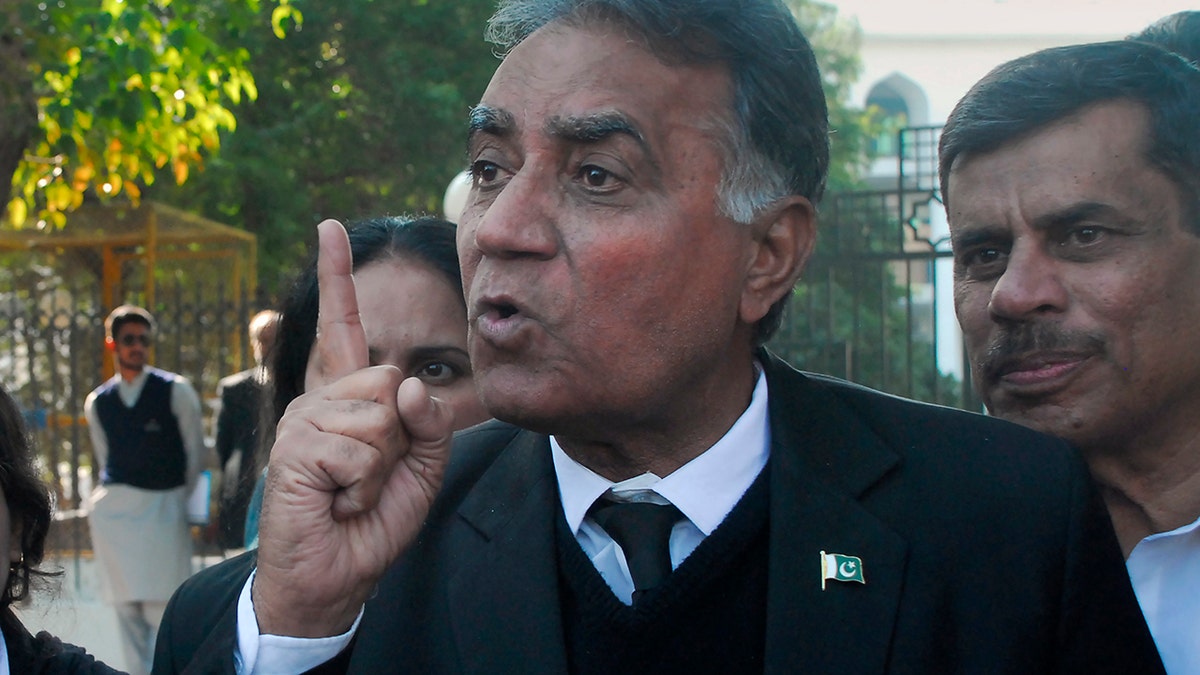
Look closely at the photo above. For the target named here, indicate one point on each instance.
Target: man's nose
(1029, 286)
(522, 220)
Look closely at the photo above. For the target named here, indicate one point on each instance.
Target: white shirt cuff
(259, 654)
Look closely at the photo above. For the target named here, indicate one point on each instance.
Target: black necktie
(643, 531)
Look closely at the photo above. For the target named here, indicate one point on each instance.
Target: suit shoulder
(474, 451)
(486, 434)
(206, 595)
(896, 414)
(103, 387)
(164, 374)
(199, 627)
(235, 380)
(475, 448)
(931, 440)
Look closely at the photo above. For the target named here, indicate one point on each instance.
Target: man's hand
(355, 466)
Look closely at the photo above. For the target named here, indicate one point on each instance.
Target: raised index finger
(341, 341)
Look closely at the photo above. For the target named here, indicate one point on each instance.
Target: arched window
(894, 103)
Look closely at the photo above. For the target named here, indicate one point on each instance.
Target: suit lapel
(504, 599)
(823, 458)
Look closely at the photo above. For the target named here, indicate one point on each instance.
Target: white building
(920, 57)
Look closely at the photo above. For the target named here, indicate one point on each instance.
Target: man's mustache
(1018, 341)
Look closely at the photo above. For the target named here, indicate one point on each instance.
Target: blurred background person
(24, 524)
(148, 436)
(410, 298)
(241, 399)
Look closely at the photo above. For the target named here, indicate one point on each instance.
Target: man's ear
(784, 236)
(110, 344)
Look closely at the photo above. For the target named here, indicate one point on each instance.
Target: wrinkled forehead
(687, 45)
(1106, 136)
(588, 81)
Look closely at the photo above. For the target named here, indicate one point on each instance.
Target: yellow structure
(129, 246)
(151, 233)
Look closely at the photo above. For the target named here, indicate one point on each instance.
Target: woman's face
(415, 320)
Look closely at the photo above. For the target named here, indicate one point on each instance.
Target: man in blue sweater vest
(148, 437)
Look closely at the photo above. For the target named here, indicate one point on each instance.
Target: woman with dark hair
(24, 523)
(410, 298)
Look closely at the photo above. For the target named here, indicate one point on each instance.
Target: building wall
(945, 67)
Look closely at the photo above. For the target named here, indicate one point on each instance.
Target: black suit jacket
(984, 548)
(237, 439)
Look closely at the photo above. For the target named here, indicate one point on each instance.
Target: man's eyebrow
(593, 128)
(1072, 214)
(489, 120)
(438, 351)
(971, 237)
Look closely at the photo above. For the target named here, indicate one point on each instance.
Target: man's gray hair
(777, 138)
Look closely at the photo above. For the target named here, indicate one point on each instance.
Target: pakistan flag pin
(838, 567)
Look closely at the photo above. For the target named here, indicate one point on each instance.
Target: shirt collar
(133, 388)
(1177, 532)
(705, 489)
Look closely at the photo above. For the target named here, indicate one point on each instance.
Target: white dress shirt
(705, 490)
(1165, 571)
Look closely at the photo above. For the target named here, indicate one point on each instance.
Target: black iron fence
(52, 354)
(869, 307)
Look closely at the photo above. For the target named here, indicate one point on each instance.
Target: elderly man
(662, 495)
(1072, 184)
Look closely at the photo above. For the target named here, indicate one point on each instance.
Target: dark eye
(982, 262)
(985, 256)
(438, 372)
(594, 176)
(484, 172)
(1083, 236)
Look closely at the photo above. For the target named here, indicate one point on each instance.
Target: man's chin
(529, 412)
(1039, 415)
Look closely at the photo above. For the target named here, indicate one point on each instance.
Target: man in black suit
(237, 432)
(642, 205)
(1072, 185)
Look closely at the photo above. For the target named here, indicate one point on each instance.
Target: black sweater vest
(145, 448)
(709, 616)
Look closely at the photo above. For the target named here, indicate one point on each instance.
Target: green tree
(836, 43)
(97, 97)
(361, 111)
(863, 309)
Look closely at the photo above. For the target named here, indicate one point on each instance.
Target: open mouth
(504, 310)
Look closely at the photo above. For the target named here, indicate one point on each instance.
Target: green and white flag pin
(840, 567)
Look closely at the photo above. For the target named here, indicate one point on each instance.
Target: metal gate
(52, 353)
(874, 304)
